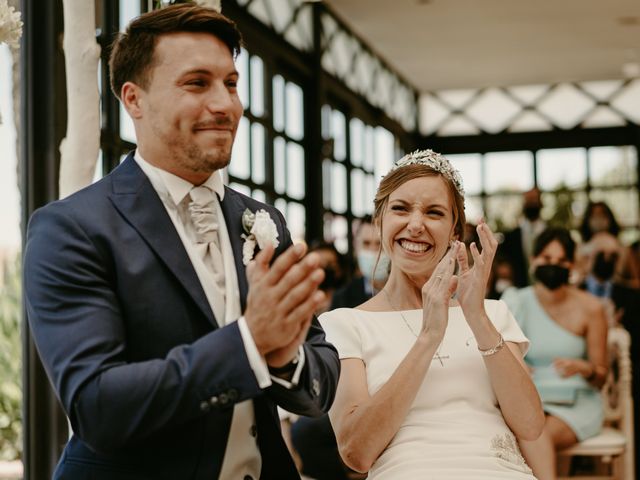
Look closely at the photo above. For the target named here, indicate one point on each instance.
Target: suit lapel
(137, 201)
(232, 209)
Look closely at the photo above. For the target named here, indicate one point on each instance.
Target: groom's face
(190, 111)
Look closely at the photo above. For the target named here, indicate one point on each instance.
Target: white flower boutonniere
(10, 25)
(260, 230)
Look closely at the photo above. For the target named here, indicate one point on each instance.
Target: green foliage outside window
(10, 362)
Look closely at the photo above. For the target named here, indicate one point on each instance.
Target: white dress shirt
(242, 456)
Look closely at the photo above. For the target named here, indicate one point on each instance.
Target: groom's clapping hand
(281, 301)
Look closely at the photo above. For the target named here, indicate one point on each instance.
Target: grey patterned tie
(204, 216)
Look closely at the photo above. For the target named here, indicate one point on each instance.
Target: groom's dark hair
(132, 52)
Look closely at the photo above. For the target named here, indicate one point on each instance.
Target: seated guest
(372, 268)
(621, 301)
(568, 356)
(598, 220)
(335, 271)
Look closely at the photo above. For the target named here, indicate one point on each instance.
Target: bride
(431, 387)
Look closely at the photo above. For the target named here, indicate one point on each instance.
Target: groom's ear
(132, 95)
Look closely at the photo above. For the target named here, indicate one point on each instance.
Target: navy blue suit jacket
(144, 372)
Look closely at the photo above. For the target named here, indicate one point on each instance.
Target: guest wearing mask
(518, 243)
(567, 328)
(621, 302)
(372, 268)
(599, 218)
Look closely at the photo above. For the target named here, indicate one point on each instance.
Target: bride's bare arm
(364, 425)
(517, 395)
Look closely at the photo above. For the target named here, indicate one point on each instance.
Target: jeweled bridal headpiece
(435, 161)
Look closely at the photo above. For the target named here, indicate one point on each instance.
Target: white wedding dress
(454, 430)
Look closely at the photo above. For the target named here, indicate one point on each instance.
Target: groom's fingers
(285, 261)
(295, 291)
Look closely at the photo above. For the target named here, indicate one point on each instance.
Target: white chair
(614, 444)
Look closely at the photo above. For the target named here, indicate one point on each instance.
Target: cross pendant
(439, 357)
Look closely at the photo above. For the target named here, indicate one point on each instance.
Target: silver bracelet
(494, 350)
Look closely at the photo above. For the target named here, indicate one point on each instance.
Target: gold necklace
(437, 356)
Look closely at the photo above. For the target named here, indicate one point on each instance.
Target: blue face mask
(366, 263)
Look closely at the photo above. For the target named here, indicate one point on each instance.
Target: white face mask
(366, 263)
(502, 284)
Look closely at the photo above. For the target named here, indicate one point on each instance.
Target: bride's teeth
(413, 247)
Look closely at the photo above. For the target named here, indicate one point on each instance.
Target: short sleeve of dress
(506, 324)
(340, 328)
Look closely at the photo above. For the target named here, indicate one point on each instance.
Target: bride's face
(418, 225)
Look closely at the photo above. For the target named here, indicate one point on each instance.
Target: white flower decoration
(10, 25)
(261, 230)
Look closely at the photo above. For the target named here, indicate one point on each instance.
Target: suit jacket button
(213, 401)
(232, 394)
(224, 398)
(253, 431)
(204, 406)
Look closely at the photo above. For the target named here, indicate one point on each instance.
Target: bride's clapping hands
(437, 292)
(472, 280)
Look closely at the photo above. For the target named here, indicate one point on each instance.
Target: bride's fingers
(487, 240)
(477, 258)
(462, 257)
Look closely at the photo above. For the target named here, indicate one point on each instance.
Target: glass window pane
(368, 161)
(370, 193)
(562, 167)
(474, 211)
(357, 192)
(326, 183)
(325, 116)
(295, 170)
(470, 168)
(624, 204)
(240, 188)
(97, 173)
(242, 65)
(338, 187)
(339, 134)
(127, 132)
(259, 195)
(257, 153)
(279, 161)
(257, 86)
(278, 103)
(508, 171)
(385, 151)
(128, 10)
(239, 166)
(356, 140)
(335, 230)
(564, 207)
(296, 220)
(503, 211)
(294, 118)
(281, 204)
(613, 166)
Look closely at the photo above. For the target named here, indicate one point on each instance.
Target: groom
(168, 356)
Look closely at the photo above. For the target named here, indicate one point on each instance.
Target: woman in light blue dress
(568, 355)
